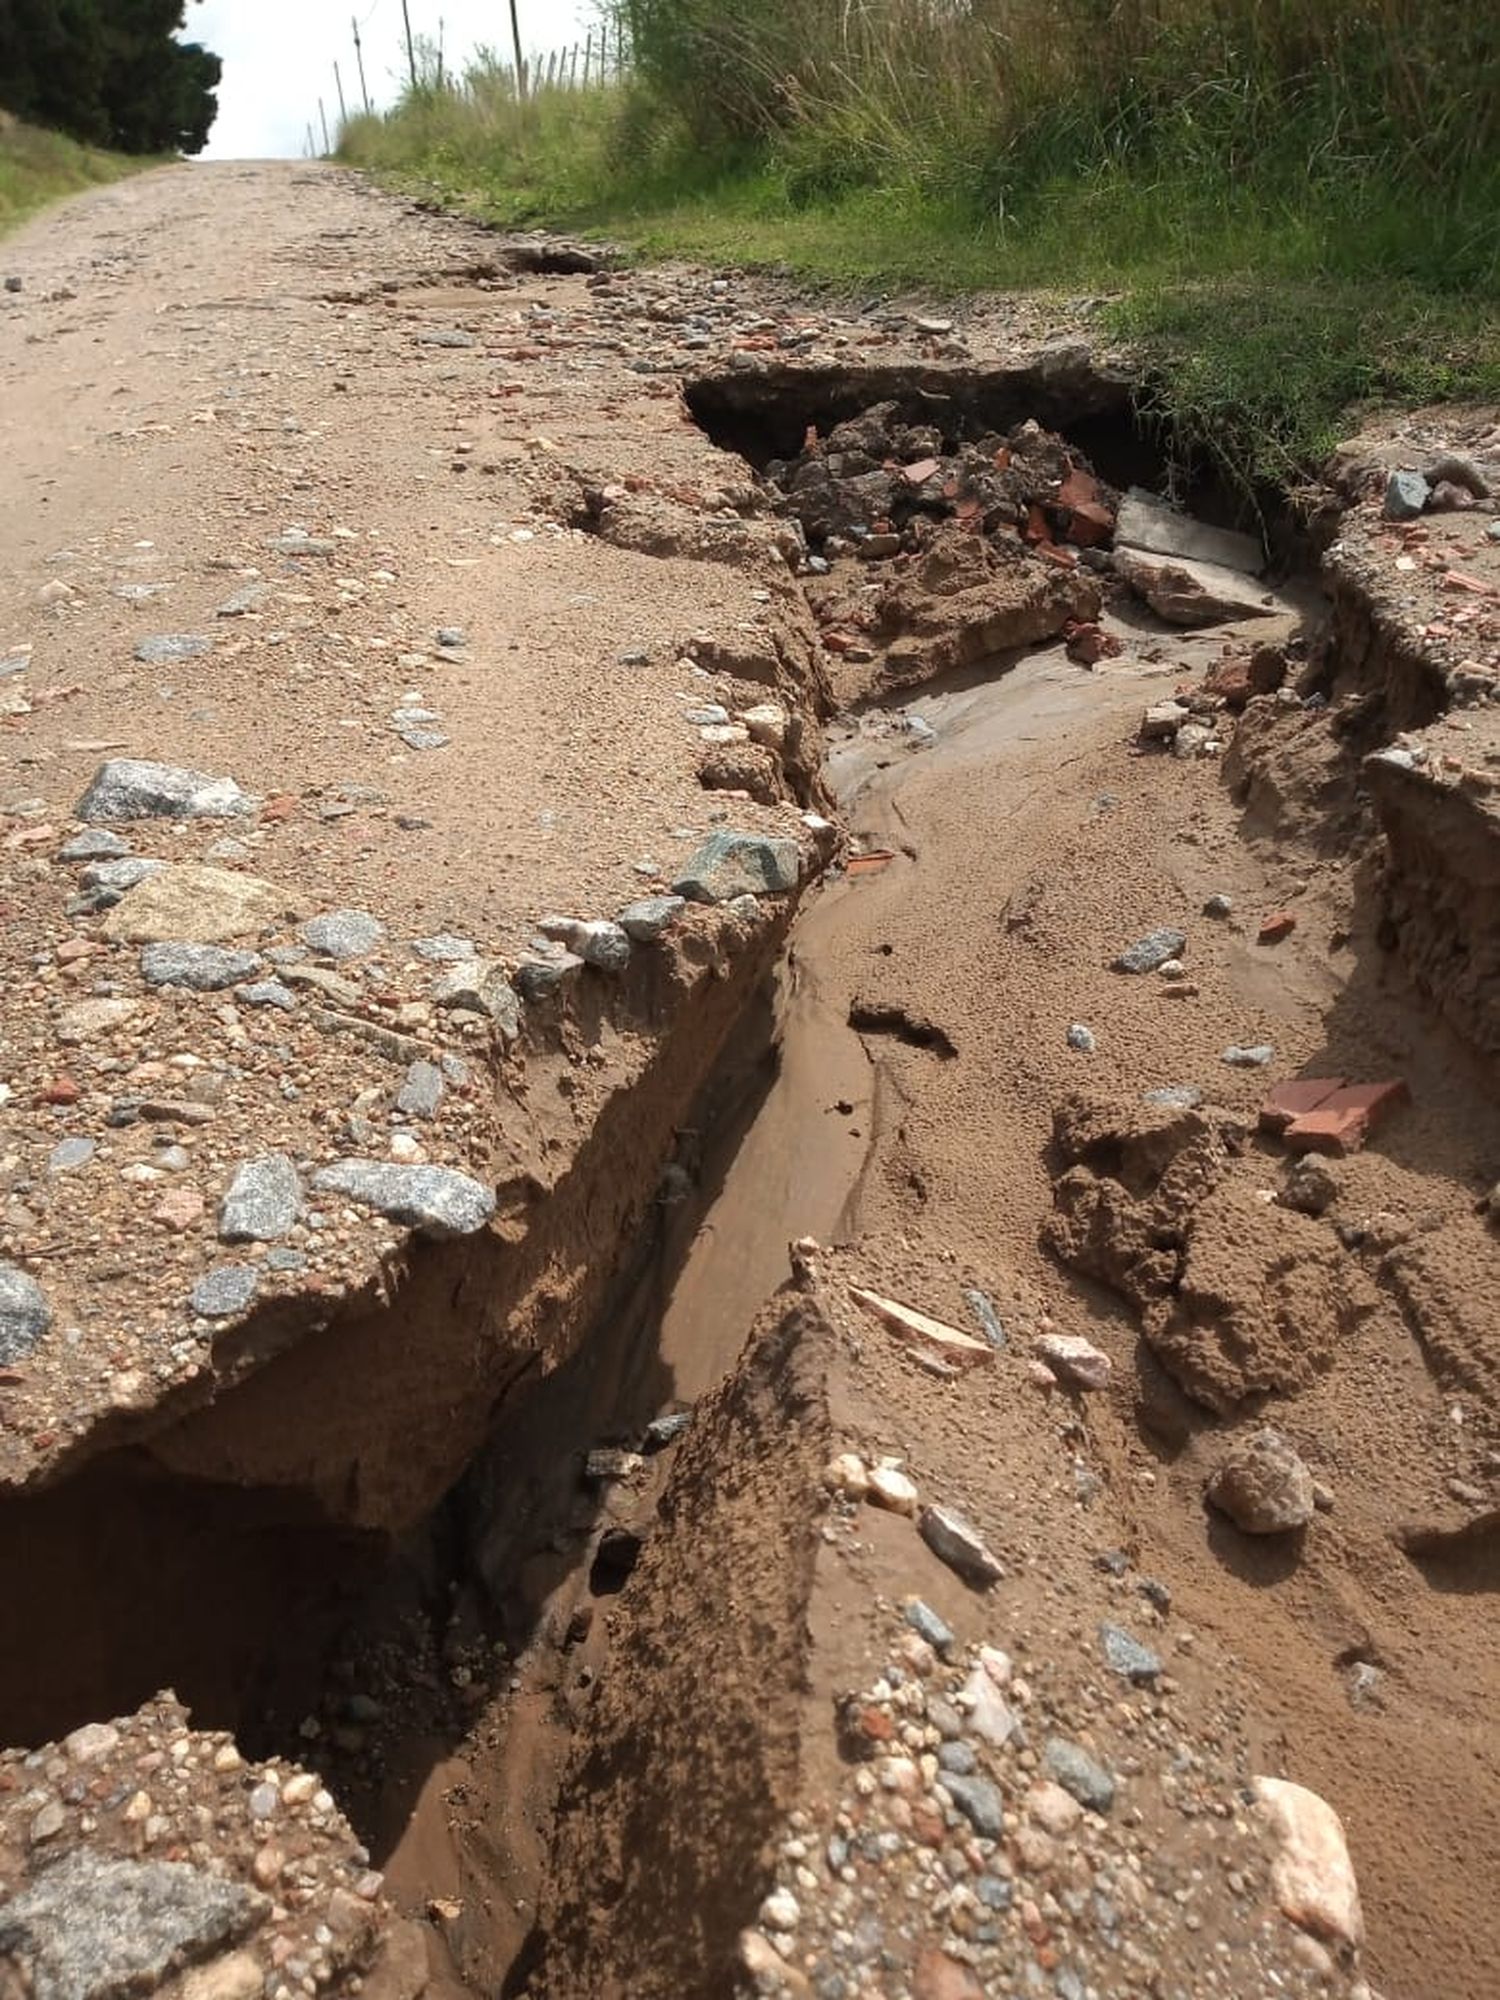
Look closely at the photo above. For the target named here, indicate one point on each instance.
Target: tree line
(110, 72)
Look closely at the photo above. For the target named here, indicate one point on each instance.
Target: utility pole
(323, 115)
(359, 57)
(442, 28)
(411, 53)
(338, 84)
(515, 36)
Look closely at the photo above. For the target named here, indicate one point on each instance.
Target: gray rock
(1406, 494)
(92, 1928)
(645, 920)
(662, 1431)
(451, 636)
(1162, 721)
(739, 864)
(204, 968)
(438, 1201)
(1174, 1096)
(1153, 950)
(70, 1153)
(1255, 1057)
(954, 1541)
(1218, 906)
(1144, 522)
(1077, 1772)
(444, 336)
(445, 948)
(540, 978)
(165, 649)
(1263, 1486)
(342, 934)
(263, 1201)
(994, 1892)
(1192, 593)
(98, 846)
(250, 598)
(421, 1091)
(128, 788)
(602, 944)
(1312, 1187)
(944, 1717)
(957, 1757)
(224, 1291)
(1127, 1656)
(121, 874)
(298, 544)
(978, 1801)
(284, 1259)
(24, 1314)
(480, 986)
(1081, 1038)
(422, 738)
(925, 1622)
(985, 1317)
(268, 993)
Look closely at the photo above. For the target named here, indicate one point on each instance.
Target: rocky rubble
(141, 1856)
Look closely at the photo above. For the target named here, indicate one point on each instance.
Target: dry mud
(520, 1537)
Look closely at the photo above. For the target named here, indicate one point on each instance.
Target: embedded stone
(732, 864)
(263, 1201)
(128, 788)
(437, 1201)
(24, 1314)
(191, 903)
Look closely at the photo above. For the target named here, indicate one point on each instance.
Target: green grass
(40, 167)
(1289, 213)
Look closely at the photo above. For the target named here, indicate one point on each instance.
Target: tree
(111, 72)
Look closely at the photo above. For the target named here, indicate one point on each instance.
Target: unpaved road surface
(420, 547)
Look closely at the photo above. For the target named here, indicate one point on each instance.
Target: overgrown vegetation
(108, 72)
(38, 167)
(1293, 208)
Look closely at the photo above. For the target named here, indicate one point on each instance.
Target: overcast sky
(279, 56)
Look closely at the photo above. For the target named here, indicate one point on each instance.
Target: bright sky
(279, 56)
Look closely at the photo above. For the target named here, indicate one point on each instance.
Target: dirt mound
(1238, 1297)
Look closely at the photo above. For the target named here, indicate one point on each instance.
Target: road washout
(548, 1692)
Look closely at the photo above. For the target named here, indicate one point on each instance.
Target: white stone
(1311, 1875)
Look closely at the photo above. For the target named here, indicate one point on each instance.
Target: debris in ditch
(1192, 593)
(1262, 1485)
(1150, 953)
(954, 1541)
(608, 1462)
(873, 861)
(985, 1317)
(909, 1324)
(662, 1431)
(1311, 1875)
(892, 1489)
(848, 1476)
(1074, 1360)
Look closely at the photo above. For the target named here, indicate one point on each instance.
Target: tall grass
(1299, 200)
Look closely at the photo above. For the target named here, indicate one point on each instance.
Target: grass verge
(39, 167)
(1288, 218)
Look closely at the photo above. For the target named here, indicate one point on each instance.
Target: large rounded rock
(1263, 1486)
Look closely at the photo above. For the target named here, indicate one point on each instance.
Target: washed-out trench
(433, 1673)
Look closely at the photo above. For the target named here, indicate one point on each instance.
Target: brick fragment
(1295, 1099)
(1278, 925)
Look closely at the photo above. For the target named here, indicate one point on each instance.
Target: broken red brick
(837, 642)
(1090, 525)
(1295, 1100)
(1343, 1122)
(1062, 558)
(1079, 489)
(1038, 528)
(61, 1090)
(1229, 682)
(1280, 924)
(1088, 644)
(920, 473)
(876, 1724)
(871, 863)
(277, 808)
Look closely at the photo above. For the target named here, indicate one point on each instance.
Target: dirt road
(408, 532)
